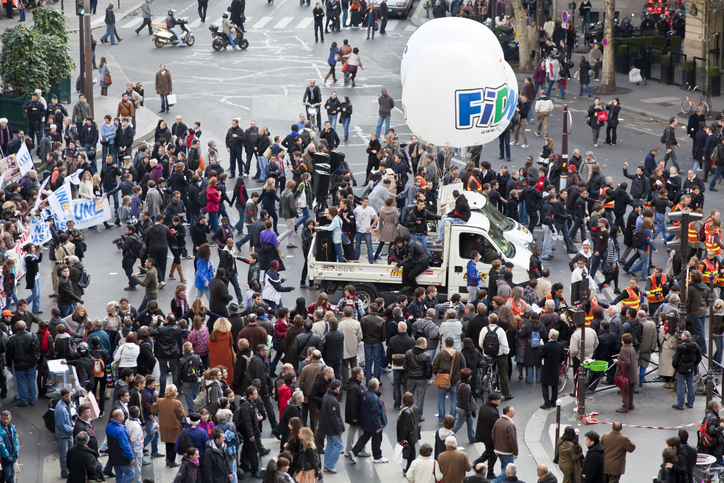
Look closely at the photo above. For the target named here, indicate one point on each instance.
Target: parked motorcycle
(221, 40)
(164, 36)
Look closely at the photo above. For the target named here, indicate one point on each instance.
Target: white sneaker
(514, 143)
(381, 460)
(595, 145)
(524, 146)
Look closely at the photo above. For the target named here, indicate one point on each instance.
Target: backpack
(638, 238)
(85, 279)
(634, 333)
(232, 442)
(534, 339)
(99, 367)
(715, 154)
(200, 401)
(491, 343)
(137, 247)
(202, 198)
(306, 136)
(664, 136)
(705, 441)
(406, 215)
(701, 233)
(184, 442)
(191, 370)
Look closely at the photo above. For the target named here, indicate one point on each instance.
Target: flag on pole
(24, 160)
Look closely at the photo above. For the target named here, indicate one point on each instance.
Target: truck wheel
(366, 294)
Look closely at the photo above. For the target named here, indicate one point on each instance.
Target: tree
(22, 65)
(526, 63)
(608, 75)
(48, 21)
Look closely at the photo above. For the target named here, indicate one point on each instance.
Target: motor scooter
(163, 36)
(221, 40)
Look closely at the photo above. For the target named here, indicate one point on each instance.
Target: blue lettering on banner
(63, 199)
(483, 107)
(88, 209)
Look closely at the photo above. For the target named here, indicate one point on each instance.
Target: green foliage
(49, 21)
(56, 55)
(714, 71)
(22, 66)
(624, 49)
(688, 65)
(665, 60)
(658, 41)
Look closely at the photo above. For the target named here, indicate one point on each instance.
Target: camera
(119, 241)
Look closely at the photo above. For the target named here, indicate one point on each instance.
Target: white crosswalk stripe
(262, 22)
(391, 24)
(133, 23)
(410, 28)
(305, 23)
(195, 23)
(217, 22)
(283, 22)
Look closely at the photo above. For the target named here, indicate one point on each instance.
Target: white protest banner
(24, 159)
(87, 213)
(40, 192)
(75, 177)
(60, 201)
(59, 224)
(39, 231)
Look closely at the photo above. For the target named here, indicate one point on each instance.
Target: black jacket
(333, 346)
(215, 468)
(23, 351)
(81, 425)
(687, 357)
(593, 465)
(640, 186)
(166, 340)
(245, 420)
(417, 364)
(319, 389)
(219, 295)
(66, 296)
(257, 369)
(461, 210)
(83, 465)
(487, 416)
(416, 253)
(330, 417)
(552, 353)
(353, 406)
(399, 343)
(407, 426)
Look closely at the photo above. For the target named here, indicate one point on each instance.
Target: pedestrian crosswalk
(271, 23)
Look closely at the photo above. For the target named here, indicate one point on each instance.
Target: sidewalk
(146, 119)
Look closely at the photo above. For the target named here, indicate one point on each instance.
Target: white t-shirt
(365, 217)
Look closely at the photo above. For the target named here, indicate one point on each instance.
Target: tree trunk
(608, 77)
(526, 63)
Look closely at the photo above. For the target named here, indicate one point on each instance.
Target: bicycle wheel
(562, 377)
(686, 105)
(487, 386)
(704, 108)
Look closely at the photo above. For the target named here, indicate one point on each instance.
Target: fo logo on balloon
(480, 108)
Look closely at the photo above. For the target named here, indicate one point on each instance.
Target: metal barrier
(676, 67)
(654, 59)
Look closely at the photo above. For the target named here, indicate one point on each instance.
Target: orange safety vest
(710, 270)
(609, 204)
(693, 234)
(707, 226)
(423, 184)
(562, 300)
(711, 245)
(517, 309)
(656, 293)
(633, 300)
(471, 188)
(676, 208)
(589, 314)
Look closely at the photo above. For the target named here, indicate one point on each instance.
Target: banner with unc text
(87, 213)
(39, 231)
(60, 202)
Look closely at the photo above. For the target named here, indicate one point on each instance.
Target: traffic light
(79, 8)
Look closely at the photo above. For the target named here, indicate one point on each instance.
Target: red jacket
(213, 199)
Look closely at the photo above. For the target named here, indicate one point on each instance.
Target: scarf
(181, 303)
(45, 334)
(193, 462)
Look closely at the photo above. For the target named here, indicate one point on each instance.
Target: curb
(148, 136)
(535, 429)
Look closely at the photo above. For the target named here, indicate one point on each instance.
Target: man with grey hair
(417, 366)
(671, 306)
(687, 357)
(22, 355)
(224, 418)
(614, 323)
(453, 463)
(511, 472)
(83, 461)
(427, 328)
(544, 476)
(453, 328)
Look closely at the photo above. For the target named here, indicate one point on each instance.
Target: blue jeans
(399, 380)
(373, 354)
(441, 393)
(685, 382)
(9, 466)
(505, 460)
(145, 302)
(65, 310)
(34, 295)
(235, 160)
(239, 227)
(164, 103)
(345, 12)
(340, 254)
(334, 449)
(560, 86)
(563, 230)
(661, 227)
(318, 27)
(462, 419)
(371, 28)
(717, 174)
(441, 225)
(263, 162)
(191, 390)
(124, 474)
(345, 125)
(529, 370)
(305, 217)
(588, 88)
(151, 437)
(367, 237)
(213, 221)
(25, 385)
(332, 118)
(244, 238)
(698, 322)
(421, 238)
(382, 119)
(110, 30)
(64, 444)
(523, 215)
(642, 264)
(718, 342)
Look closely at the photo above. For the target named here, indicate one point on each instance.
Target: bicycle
(688, 102)
(563, 371)
(489, 381)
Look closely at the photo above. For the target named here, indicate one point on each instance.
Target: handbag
(107, 79)
(170, 100)
(577, 75)
(443, 380)
(344, 67)
(602, 116)
(621, 380)
(608, 270)
(268, 152)
(337, 57)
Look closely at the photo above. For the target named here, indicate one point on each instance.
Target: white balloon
(456, 29)
(467, 105)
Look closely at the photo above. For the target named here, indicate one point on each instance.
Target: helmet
(83, 349)
(225, 15)
(171, 12)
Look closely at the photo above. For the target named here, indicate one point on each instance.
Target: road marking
(261, 23)
(410, 28)
(132, 23)
(391, 24)
(305, 23)
(195, 23)
(283, 22)
(217, 22)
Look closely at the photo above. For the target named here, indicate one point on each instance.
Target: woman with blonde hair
(308, 462)
(76, 322)
(213, 389)
(221, 346)
(170, 412)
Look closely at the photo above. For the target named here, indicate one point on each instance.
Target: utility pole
(684, 218)
(563, 171)
(87, 55)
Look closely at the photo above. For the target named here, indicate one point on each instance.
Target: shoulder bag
(621, 380)
(443, 380)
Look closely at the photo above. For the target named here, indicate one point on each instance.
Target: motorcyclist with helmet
(171, 23)
(227, 28)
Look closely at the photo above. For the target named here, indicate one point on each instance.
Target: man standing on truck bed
(416, 262)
